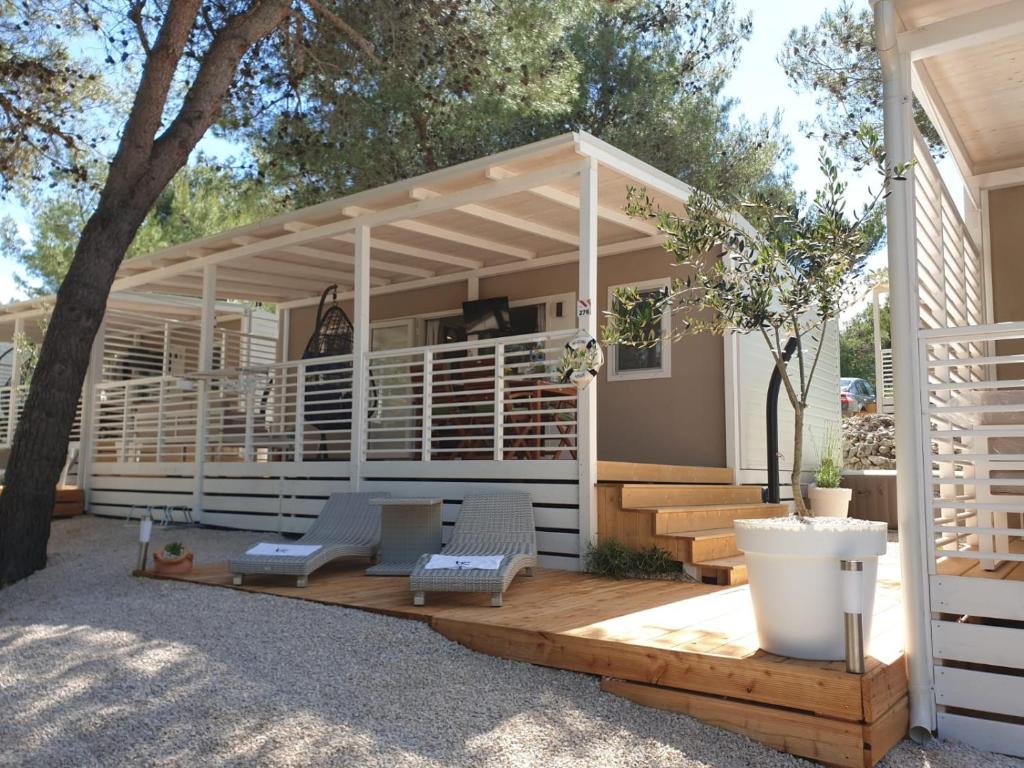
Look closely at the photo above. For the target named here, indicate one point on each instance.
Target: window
(654, 362)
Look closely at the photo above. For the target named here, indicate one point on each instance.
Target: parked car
(855, 395)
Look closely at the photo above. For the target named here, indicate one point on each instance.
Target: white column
(586, 451)
(90, 394)
(911, 441)
(12, 408)
(207, 328)
(360, 355)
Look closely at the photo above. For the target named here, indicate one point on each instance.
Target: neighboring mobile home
(235, 425)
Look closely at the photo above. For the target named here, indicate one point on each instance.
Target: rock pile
(869, 441)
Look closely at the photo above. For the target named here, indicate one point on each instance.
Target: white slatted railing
(950, 267)
(290, 411)
(10, 416)
(149, 420)
(139, 345)
(493, 400)
(974, 416)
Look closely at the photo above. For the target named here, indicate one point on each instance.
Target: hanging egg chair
(327, 404)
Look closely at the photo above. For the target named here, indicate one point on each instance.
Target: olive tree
(778, 271)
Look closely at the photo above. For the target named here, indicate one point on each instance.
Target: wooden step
(704, 517)
(632, 472)
(852, 744)
(639, 496)
(724, 571)
(701, 546)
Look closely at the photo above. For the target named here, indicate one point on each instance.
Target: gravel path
(101, 669)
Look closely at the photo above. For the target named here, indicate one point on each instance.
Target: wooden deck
(674, 645)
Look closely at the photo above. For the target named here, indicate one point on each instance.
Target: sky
(759, 84)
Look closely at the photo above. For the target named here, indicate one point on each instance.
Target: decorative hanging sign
(581, 360)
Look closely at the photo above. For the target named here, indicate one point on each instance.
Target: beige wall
(1006, 240)
(676, 420)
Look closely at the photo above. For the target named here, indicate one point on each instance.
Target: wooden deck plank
(696, 637)
(835, 742)
(633, 472)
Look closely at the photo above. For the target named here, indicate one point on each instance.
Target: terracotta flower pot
(168, 565)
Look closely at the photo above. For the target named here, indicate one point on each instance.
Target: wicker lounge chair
(487, 525)
(348, 526)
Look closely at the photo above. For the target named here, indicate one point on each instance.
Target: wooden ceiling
(973, 87)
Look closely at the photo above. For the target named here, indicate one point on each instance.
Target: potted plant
(827, 498)
(173, 560)
(783, 273)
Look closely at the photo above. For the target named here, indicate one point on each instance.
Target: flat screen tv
(486, 317)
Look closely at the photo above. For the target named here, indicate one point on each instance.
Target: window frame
(665, 370)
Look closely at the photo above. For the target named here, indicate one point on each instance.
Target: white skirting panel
(980, 691)
(989, 598)
(992, 735)
(282, 496)
(977, 643)
(118, 487)
(286, 496)
(553, 486)
(983, 707)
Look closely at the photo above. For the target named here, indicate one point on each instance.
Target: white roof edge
(625, 163)
(37, 304)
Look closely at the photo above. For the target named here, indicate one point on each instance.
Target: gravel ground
(101, 669)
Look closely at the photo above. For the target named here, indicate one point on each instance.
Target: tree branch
(205, 97)
(151, 96)
(817, 357)
(135, 14)
(348, 30)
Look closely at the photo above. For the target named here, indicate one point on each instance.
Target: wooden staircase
(687, 511)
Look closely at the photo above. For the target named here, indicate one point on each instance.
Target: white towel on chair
(284, 550)
(459, 563)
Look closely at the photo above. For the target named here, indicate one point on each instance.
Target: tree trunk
(798, 460)
(41, 440)
(143, 165)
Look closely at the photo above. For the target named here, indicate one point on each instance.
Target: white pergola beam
(500, 217)
(968, 30)
(1008, 177)
(342, 258)
(541, 262)
(570, 200)
(256, 290)
(388, 246)
(415, 251)
(402, 213)
(935, 108)
(264, 266)
(451, 235)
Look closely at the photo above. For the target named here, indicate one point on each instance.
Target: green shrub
(615, 560)
(653, 561)
(174, 549)
(830, 468)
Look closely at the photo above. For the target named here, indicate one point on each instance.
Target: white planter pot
(830, 502)
(795, 581)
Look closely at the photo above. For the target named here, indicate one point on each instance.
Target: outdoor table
(408, 528)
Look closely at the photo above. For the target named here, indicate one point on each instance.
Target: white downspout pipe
(903, 303)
